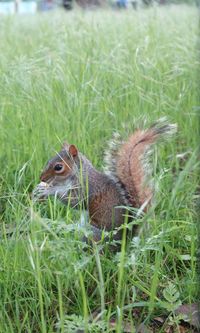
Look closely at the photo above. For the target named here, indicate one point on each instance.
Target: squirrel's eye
(58, 167)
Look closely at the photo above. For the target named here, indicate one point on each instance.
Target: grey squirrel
(73, 179)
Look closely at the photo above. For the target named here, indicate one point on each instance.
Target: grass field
(79, 76)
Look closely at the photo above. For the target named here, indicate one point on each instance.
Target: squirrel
(73, 179)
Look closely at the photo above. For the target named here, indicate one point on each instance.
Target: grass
(79, 76)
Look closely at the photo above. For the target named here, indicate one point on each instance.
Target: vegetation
(79, 76)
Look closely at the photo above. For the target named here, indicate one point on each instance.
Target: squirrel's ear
(73, 150)
(65, 145)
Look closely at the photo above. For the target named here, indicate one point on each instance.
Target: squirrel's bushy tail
(129, 164)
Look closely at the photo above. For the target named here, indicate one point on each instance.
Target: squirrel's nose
(43, 177)
(46, 176)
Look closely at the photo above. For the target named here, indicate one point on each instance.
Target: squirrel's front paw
(40, 192)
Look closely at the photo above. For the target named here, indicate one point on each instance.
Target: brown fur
(130, 167)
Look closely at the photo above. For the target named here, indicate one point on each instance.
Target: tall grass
(79, 76)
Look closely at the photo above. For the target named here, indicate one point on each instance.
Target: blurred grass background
(79, 76)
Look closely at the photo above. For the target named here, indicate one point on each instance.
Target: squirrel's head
(60, 167)
(59, 175)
